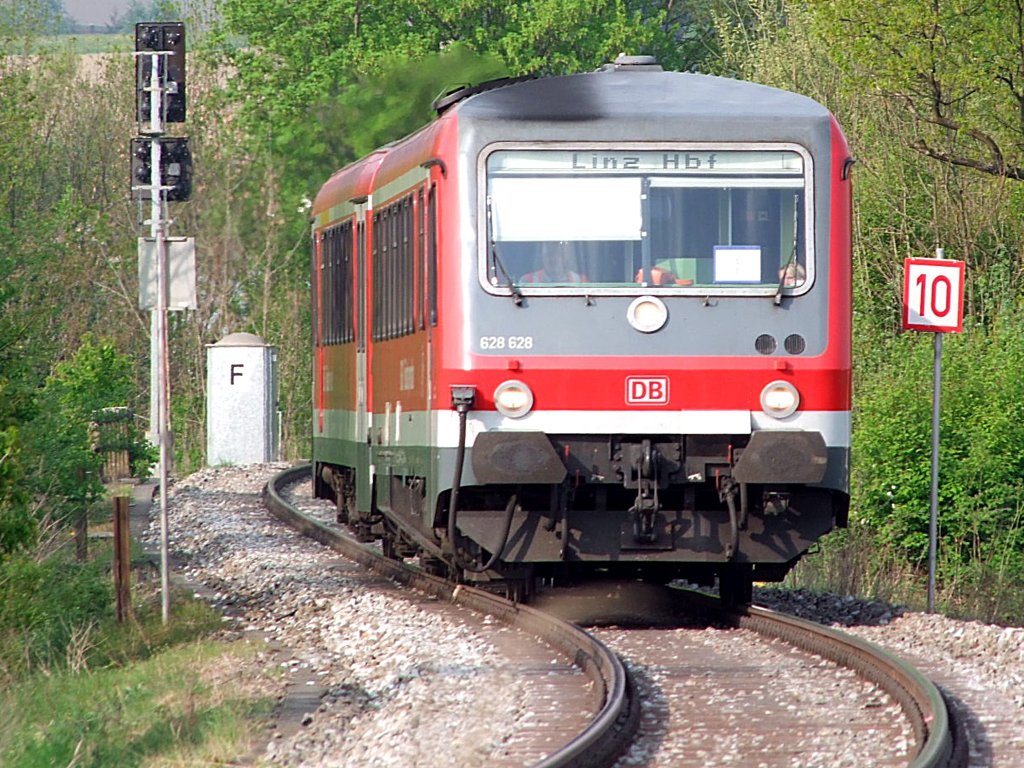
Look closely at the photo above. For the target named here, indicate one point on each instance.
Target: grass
(86, 43)
(181, 707)
(78, 689)
(851, 562)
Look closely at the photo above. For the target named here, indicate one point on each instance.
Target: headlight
(647, 314)
(513, 399)
(780, 399)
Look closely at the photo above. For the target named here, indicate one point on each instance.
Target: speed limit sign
(933, 295)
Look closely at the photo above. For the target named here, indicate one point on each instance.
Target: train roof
(633, 99)
(635, 96)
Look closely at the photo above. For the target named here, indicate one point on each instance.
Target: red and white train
(592, 324)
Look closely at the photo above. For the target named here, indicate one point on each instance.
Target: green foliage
(60, 438)
(291, 55)
(78, 688)
(981, 448)
(953, 68)
(155, 10)
(17, 527)
(173, 709)
(43, 605)
(25, 20)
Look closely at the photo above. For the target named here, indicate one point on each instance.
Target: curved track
(940, 736)
(940, 740)
(617, 710)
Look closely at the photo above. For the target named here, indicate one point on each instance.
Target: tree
(17, 528)
(65, 474)
(289, 55)
(155, 10)
(956, 69)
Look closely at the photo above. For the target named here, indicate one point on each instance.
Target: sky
(94, 11)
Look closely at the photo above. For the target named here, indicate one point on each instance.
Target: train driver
(659, 276)
(556, 265)
(792, 274)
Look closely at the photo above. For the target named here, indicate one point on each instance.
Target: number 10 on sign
(933, 295)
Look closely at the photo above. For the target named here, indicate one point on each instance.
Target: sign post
(933, 300)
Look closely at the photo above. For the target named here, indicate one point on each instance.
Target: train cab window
(706, 221)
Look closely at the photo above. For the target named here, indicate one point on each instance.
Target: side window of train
(337, 323)
(393, 270)
(361, 296)
(420, 212)
(317, 287)
(432, 254)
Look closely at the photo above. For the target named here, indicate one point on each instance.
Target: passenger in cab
(661, 276)
(556, 265)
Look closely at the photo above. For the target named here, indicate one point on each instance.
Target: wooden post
(122, 559)
(81, 524)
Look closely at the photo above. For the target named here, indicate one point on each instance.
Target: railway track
(936, 740)
(754, 687)
(615, 710)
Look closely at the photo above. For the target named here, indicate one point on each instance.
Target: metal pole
(159, 364)
(153, 434)
(933, 517)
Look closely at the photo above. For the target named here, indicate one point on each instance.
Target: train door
(364, 482)
(318, 335)
(428, 315)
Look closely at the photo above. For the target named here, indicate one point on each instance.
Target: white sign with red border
(933, 295)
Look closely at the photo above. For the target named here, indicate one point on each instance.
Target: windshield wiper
(792, 260)
(517, 295)
(782, 277)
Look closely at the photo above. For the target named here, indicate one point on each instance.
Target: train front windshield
(685, 220)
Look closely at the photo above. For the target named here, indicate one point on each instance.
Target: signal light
(175, 167)
(142, 169)
(170, 38)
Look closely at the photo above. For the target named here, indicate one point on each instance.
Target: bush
(48, 606)
(981, 459)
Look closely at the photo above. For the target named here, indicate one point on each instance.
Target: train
(592, 325)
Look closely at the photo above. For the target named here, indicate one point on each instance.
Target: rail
(939, 733)
(610, 731)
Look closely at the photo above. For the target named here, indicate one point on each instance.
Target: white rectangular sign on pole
(181, 273)
(933, 300)
(933, 295)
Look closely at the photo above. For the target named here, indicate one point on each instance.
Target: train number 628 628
(506, 342)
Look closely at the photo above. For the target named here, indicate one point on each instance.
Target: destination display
(774, 162)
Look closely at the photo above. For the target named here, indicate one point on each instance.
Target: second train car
(589, 325)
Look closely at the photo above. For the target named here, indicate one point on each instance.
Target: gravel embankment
(405, 684)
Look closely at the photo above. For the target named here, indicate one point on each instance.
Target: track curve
(617, 710)
(940, 736)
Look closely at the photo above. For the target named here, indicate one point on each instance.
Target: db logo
(646, 390)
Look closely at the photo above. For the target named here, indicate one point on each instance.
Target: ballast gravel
(400, 684)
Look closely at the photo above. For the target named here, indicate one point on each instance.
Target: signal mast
(161, 169)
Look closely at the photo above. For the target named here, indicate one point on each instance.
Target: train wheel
(341, 510)
(344, 488)
(736, 585)
(519, 590)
